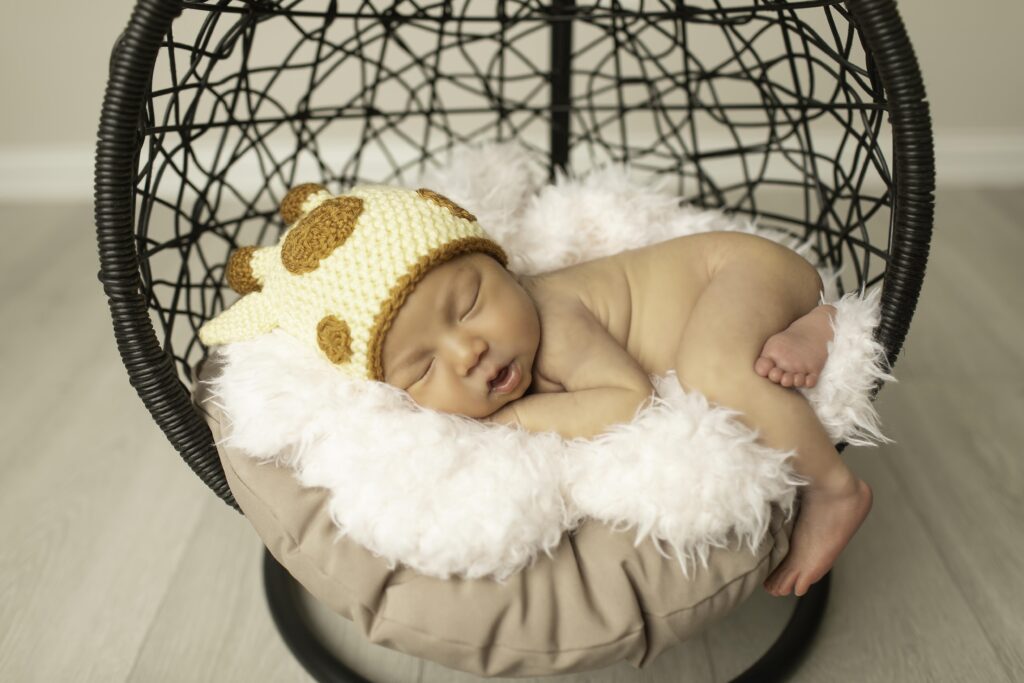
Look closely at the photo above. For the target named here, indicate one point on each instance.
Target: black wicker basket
(194, 165)
(214, 109)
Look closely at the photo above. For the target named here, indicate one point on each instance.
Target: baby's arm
(577, 414)
(604, 384)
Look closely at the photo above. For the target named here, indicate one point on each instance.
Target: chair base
(285, 608)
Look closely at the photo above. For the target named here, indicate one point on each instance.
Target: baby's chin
(494, 403)
(478, 409)
(473, 407)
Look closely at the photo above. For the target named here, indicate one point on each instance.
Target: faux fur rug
(448, 495)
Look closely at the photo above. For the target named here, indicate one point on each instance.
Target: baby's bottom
(755, 289)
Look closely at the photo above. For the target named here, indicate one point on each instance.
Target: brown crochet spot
(334, 339)
(239, 271)
(317, 235)
(456, 210)
(291, 205)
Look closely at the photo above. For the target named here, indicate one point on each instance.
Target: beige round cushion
(597, 601)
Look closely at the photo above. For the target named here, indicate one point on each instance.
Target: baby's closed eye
(472, 307)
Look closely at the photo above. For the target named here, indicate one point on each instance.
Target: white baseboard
(964, 156)
(979, 156)
(34, 174)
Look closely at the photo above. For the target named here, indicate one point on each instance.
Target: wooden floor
(118, 564)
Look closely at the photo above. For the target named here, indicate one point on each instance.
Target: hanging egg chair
(808, 115)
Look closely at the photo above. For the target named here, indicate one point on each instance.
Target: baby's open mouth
(506, 380)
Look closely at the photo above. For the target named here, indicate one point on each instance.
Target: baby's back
(642, 297)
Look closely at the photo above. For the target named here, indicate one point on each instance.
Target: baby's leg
(757, 288)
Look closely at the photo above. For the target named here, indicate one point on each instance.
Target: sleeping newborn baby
(404, 287)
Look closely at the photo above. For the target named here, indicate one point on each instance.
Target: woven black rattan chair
(207, 121)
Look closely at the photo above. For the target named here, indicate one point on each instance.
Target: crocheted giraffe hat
(343, 268)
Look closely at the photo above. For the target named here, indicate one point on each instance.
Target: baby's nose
(468, 351)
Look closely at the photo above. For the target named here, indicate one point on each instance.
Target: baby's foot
(795, 356)
(827, 520)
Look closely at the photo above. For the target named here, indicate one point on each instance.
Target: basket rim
(152, 371)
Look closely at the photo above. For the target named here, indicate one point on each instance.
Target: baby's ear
(302, 199)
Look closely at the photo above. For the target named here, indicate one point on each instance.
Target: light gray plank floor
(117, 564)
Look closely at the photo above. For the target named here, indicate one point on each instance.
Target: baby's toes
(776, 374)
(787, 379)
(811, 380)
(801, 585)
(785, 584)
(780, 581)
(763, 366)
(798, 379)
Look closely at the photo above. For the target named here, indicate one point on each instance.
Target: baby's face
(465, 321)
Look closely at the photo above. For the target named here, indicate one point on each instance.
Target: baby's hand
(506, 416)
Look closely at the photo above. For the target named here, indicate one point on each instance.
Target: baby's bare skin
(605, 326)
(643, 298)
(795, 356)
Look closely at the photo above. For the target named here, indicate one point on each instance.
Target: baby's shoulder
(576, 351)
(562, 313)
(600, 290)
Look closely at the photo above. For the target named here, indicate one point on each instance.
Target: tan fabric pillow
(598, 601)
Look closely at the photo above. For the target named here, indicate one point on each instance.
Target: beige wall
(53, 63)
(53, 59)
(970, 55)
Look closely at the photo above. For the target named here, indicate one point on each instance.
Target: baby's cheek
(444, 396)
(473, 405)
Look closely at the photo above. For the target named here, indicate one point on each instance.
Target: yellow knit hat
(343, 269)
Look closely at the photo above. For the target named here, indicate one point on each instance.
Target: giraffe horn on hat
(239, 271)
(302, 199)
(247, 318)
(252, 315)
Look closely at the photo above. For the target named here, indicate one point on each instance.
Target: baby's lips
(493, 373)
(511, 379)
(494, 381)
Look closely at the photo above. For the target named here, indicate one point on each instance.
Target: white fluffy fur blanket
(448, 495)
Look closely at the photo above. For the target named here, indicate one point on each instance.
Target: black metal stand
(283, 599)
(792, 644)
(282, 596)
